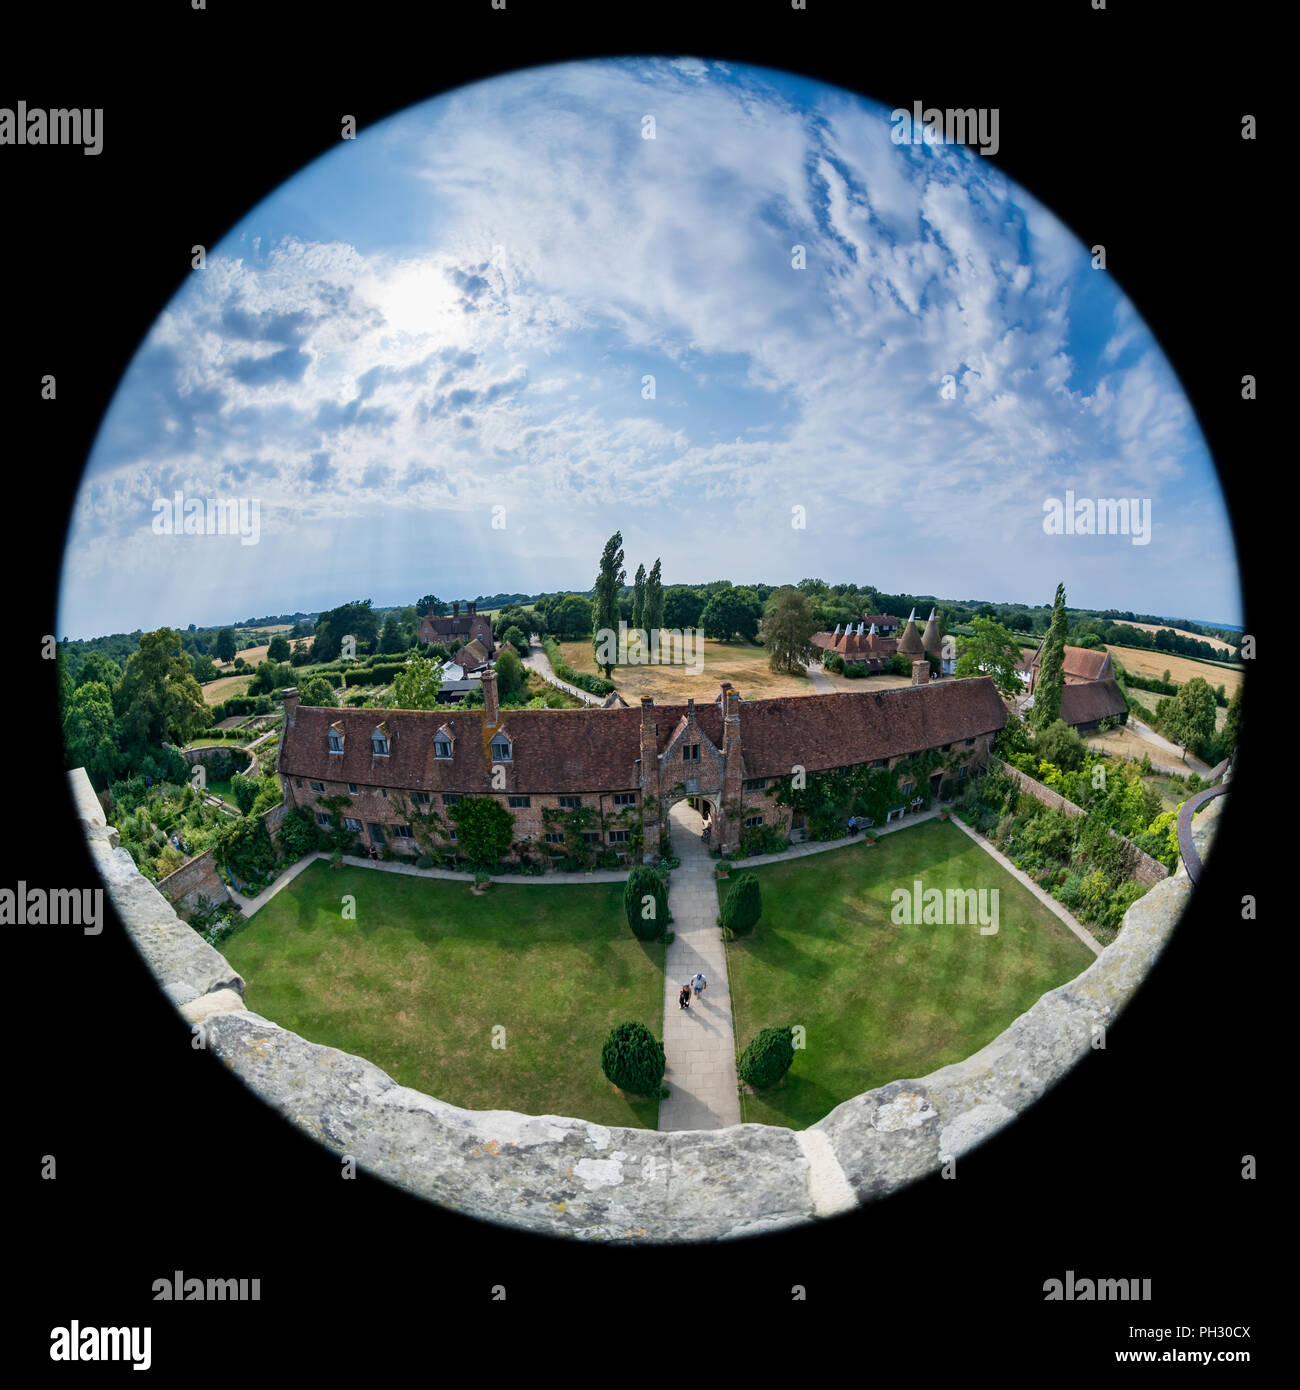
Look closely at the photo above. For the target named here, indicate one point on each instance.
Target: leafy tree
(301, 655)
(1190, 721)
(270, 676)
(90, 732)
(767, 1058)
(299, 833)
(727, 614)
(991, 651)
(201, 667)
(417, 684)
(633, 1059)
(158, 697)
(683, 606)
(391, 639)
(316, 690)
(1060, 745)
(605, 600)
(226, 645)
(638, 598)
(744, 903)
(510, 675)
(355, 619)
(245, 791)
(645, 903)
(1014, 738)
(484, 829)
(431, 606)
(788, 626)
(571, 616)
(278, 650)
(516, 638)
(1232, 720)
(653, 616)
(1050, 681)
(99, 667)
(245, 848)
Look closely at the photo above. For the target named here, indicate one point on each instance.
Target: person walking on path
(699, 984)
(684, 998)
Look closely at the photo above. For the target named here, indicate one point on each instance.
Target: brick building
(468, 633)
(873, 648)
(727, 755)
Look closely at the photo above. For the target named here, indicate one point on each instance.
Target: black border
(1128, 128)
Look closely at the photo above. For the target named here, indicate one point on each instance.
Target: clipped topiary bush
(744, 904)
(767, 1059)
(645, 901)
(633, 1059)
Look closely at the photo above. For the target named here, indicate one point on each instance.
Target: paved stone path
(538, 661)
(251, 905)
(699, 1041)
(1049, 902)
(1190, 763)
(821, 682)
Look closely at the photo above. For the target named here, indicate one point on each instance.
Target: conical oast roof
(932, 642)
(910, 642)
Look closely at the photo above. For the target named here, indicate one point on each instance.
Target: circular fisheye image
(652, 649)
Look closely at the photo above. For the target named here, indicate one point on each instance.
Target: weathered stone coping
(570, 1177)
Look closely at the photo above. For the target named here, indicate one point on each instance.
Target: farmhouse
(873, 648)
(625, 765)
(1081, 664)
(470, 633)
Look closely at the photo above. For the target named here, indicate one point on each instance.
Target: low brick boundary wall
(569, 1177)
(200, 877)
(1145, 869)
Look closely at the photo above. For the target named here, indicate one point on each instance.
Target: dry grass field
(882, 682)
(1181, 668)
(744, 666)
(224, 687)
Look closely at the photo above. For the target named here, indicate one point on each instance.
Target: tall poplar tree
(604, 606)
(638, 597)
(653, 615)
(1050, 681)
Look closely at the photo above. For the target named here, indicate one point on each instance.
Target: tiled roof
(571, 751)
(1088, 701)
(1083, 663)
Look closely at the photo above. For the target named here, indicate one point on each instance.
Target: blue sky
(455, 312)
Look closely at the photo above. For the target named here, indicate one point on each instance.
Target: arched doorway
(691, 818)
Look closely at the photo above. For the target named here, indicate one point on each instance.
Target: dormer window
(501, 749)
(442, 748)
(379, 741)
(336, 738)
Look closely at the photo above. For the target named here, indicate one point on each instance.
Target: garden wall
(199, 878)
(1145, 869)
(570, 1177)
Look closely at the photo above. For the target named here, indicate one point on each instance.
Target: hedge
(767, 1059)
(633, 1059)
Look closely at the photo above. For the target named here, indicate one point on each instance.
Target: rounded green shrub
(633, 1059)
(744, 904)
(645, 901)
(767, 1059)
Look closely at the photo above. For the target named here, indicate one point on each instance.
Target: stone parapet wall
(570, 1177)
(1145, 869)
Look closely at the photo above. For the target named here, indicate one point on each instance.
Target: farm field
(744, 666)
(1181, 668)
(1148, 699)
(224, 687)
(850, 685)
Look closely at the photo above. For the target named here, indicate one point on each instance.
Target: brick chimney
(470, 606)
(491, 710)
(920, 671)
(290, 706)
(455, 608)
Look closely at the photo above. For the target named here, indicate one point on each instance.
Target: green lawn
(417, 983)
(883, 1002)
